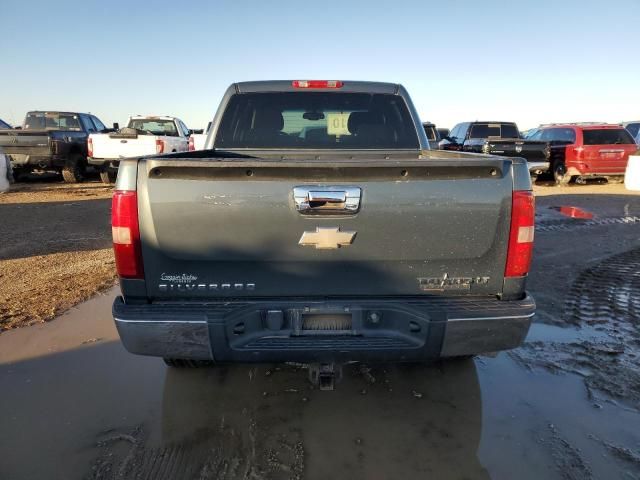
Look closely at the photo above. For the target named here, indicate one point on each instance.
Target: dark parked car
(4, 125)
(443, 132)
(51, 141)
(498, 138)
(432, 135)
(632, 127)
(586, 150)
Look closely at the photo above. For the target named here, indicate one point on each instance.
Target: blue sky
(531, 62)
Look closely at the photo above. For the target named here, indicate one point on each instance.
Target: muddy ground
(566, 405)
(55, 248)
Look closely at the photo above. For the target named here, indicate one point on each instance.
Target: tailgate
(605, 159)
(116, 146)
(531, 150)
(237, 228)
(25, 142)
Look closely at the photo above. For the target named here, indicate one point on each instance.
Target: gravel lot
(55, 250)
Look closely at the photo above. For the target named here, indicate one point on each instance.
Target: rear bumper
(19, 160)
(582, 171)
(108, 163)
(384, 330)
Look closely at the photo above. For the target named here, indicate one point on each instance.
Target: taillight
(192, 144)
(159, 146)
(126, 234)
(317, 84)
(90, 147)
(521, 234)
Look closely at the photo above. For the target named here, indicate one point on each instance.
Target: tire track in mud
(564, 225)
(604, 301)
(226, 454)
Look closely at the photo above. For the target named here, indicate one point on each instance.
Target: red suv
(586, 149)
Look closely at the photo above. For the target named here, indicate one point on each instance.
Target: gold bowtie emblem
(327, 238)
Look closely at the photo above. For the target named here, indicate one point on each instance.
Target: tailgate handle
(326, 200)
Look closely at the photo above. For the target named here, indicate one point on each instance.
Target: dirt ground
(55, 250)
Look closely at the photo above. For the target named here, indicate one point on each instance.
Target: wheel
(74, 169)
(560, 174)
(108, 176)
(184, 363)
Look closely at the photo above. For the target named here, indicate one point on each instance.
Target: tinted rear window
(633, 128)
(499, 130)
(155, 126)
(608, 136)
(52, 121)
(431, 132)
(316, 120)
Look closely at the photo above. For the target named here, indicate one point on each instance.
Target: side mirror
(116, 126)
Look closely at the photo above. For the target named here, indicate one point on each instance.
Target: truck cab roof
(152, 117)
(288, 86)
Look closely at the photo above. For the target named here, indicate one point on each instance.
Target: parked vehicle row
(69, 142)
(570, 152)
(497, 138)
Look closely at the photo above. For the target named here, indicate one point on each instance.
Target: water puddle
(573, 212)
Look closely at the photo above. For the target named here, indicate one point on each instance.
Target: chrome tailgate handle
(326, 200)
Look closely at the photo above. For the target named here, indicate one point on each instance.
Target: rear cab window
(430, 130)
(52, 121)
(316, 120)
(158, 127)
(494, 130)
(607, 136)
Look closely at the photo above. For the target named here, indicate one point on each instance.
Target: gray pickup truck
(318, 227)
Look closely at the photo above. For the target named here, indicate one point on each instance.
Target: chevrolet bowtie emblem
(327, 238)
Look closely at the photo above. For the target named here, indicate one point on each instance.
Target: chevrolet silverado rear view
(318, 227)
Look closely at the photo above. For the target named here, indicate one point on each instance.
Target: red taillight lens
(90, 147)
(192, 144)
(521, 234)
(126, 234)
(159, 146)
(317, 84)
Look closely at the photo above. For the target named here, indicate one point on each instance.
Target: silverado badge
(327, 238)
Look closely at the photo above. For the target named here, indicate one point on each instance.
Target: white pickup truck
(144, 135)
(198, 140)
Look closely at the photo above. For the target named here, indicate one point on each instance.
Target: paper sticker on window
(338, 124)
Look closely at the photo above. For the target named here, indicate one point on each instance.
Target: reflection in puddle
(573, 212)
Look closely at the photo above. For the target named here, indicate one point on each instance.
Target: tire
(615, 180)
(108, 176)
(184, 363)
(560, 175)
(20, 174)
(74, 169)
